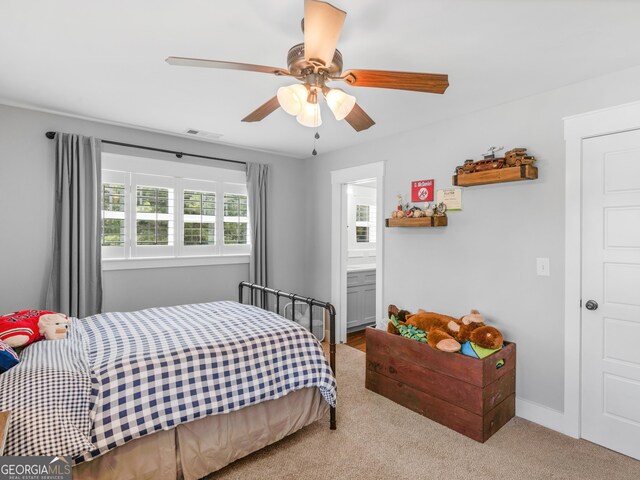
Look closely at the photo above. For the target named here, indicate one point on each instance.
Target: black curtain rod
(51, 135)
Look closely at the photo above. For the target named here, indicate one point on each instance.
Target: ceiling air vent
(202, 134)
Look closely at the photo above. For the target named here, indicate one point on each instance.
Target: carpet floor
(378, 439)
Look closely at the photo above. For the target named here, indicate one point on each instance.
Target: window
(235, 219)
(362, 234)
(154, 216)
(158, 215)
(199, 218)
(365, 224)
(362, 213)
(113, 214)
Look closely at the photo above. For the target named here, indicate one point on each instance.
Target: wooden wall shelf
(417, 222)
(499, 175)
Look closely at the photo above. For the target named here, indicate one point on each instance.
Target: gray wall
(486, 257)
(26, 209)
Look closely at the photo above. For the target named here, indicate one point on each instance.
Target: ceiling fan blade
(263, 110)
(248, 67)
(359, 119)
(322, 26)
(418, 82)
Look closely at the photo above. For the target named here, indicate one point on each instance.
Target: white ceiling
(105, 60)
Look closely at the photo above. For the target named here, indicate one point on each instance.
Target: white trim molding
(169, 262)
(577, 128)
(536, 413)
(339, 179)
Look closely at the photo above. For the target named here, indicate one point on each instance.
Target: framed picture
(451, 197)
(422, 191)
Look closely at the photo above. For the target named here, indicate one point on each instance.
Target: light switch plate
(542, 267)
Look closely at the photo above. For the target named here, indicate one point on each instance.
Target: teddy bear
(438, 328)
(54, 326)
(22, 328)
(449, 334)
(471, 328)
(400, 315)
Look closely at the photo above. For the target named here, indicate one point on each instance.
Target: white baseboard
(545, 416)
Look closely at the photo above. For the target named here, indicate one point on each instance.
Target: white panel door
(611, 279)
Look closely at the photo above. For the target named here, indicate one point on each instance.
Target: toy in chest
(409, 331)
(468, 335)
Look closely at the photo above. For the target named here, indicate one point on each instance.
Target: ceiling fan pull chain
(317, 135)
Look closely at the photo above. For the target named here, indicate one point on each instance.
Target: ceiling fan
(316, 62)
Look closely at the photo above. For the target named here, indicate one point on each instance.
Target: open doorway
(356, 250)
(361, 260)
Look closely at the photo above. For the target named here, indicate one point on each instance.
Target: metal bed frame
(261, 293)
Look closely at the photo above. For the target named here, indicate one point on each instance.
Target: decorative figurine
(518, 156)
(428, 210)
(441, 209)
(491, 154)
(399, 197)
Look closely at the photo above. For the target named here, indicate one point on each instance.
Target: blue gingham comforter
(119, 376)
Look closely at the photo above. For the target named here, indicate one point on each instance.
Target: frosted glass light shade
(340, 103)
(310, 115)
(292, 98)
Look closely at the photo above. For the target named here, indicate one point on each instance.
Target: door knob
(591, 305)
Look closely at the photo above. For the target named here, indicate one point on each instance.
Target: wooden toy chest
(469, 395)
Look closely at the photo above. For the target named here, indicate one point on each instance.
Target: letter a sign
(422, 191)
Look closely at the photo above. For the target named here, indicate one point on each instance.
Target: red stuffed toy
(27, 326)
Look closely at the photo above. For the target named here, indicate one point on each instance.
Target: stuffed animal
(22, 328)
(400, 315)
(408, 331)
(437, 326)
(54, 326)
(471, 328)
(468, 334)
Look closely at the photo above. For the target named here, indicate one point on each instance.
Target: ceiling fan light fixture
(340, 103)
(310, 115)
(292, 98)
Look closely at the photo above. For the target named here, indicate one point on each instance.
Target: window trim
(132, 171)
(170, 262)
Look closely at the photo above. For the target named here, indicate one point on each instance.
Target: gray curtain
(75, 285)
(257, 175)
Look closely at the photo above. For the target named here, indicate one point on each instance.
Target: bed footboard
(259, 295)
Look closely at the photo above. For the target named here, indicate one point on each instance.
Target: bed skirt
(195, 449)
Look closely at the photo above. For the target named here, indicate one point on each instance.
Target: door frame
(578, 128)
(339, 180)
